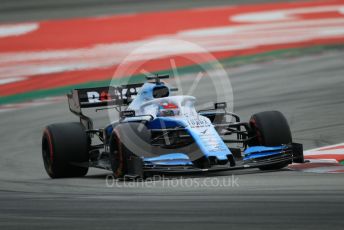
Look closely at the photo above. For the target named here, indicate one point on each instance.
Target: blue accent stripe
(168, 159)
(259, 155)
(261, 149)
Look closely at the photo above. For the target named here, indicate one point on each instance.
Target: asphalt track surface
(308, 90)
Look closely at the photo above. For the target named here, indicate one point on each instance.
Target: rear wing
(100, 97)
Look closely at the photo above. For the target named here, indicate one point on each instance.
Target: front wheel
(270, 128)
(128, 139)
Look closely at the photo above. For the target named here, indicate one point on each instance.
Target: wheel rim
(117, 157)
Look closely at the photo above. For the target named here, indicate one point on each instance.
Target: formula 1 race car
(160, 133)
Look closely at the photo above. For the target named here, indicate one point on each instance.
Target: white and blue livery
(160, 132)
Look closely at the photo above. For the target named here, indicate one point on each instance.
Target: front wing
(292, 153)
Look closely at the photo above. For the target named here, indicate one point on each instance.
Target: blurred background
(272, 55)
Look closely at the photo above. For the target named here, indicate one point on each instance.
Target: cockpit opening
(161, 91)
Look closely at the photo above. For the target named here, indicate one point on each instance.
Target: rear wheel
(65, 150)
(271, 129)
